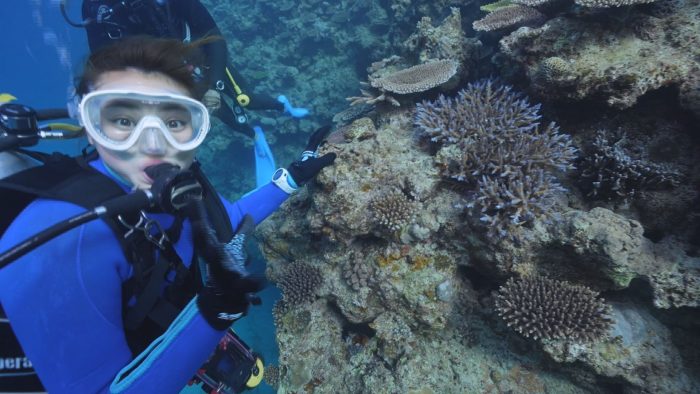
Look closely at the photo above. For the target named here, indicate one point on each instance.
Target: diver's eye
(176, 125)
(124, 123)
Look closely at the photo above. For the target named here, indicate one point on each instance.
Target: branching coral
(391, 211)
(608, 172)
(414, 79)
(544, 308)
(298, 283)
(491, 140)
(509, 16)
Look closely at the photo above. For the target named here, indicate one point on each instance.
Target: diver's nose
(152, 142)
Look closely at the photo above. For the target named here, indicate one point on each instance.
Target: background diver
(107, 21)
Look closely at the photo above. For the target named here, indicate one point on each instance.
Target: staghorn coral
(491, 140)
(391, 211)
(508, 17)
(608, 172)
(414, 79)
(358, 273)
(515, 200)
(298, 284)
(544, 308)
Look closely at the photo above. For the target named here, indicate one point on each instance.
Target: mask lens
(116, 119)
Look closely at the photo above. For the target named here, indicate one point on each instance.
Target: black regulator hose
(172, 189)
(123, 204)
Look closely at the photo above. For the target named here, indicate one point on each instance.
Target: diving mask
(116, 119)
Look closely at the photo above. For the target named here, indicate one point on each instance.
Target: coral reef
(613, 58)
(299, 283)
(610, 3)
(416, 79)
(418, 311)
(446, 41)
(511, 16)
(272, 375)
(608, 172)
(391, 211)
(690, 92)
(359, 273)
(412, 310)
(491, 140)
(543, 308)
(626, 354)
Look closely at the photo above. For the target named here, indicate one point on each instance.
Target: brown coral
(272, 375)
(418, 78)
(544, 308)
(507, 17)
(298, 283)
(391, 211)
(358, 274)
(414, 79)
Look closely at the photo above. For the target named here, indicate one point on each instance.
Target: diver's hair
(170, 57)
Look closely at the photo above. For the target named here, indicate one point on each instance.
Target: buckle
(146, 226)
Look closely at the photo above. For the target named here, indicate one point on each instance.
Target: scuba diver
(109, 20)
(137, 301)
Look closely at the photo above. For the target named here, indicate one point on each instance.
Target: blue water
(41, 56)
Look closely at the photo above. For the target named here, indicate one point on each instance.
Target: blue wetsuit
(64, 302)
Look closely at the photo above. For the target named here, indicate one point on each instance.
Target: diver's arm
(202, 24)
(64, 302)
(259, 203)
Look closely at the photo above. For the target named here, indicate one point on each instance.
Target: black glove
(310, 164)
(229, 288)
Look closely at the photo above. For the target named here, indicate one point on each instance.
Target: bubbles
(50, 36)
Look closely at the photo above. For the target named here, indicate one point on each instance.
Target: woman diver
(102, 310)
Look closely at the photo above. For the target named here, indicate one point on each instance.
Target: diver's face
(151, 148)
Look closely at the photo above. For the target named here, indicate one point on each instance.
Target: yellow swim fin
(6, 97)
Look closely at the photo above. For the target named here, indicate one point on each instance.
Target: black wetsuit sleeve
(96, 32)
(202, 24)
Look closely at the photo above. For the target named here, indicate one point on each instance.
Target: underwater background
(515, 203)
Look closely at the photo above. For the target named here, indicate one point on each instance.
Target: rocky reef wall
(393, 262)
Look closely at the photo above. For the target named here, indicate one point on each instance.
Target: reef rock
(615, 248)
(640, 351)
(612, 57)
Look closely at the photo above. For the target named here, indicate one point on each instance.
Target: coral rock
(508, 17)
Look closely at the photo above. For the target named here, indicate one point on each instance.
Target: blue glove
(295, 112)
